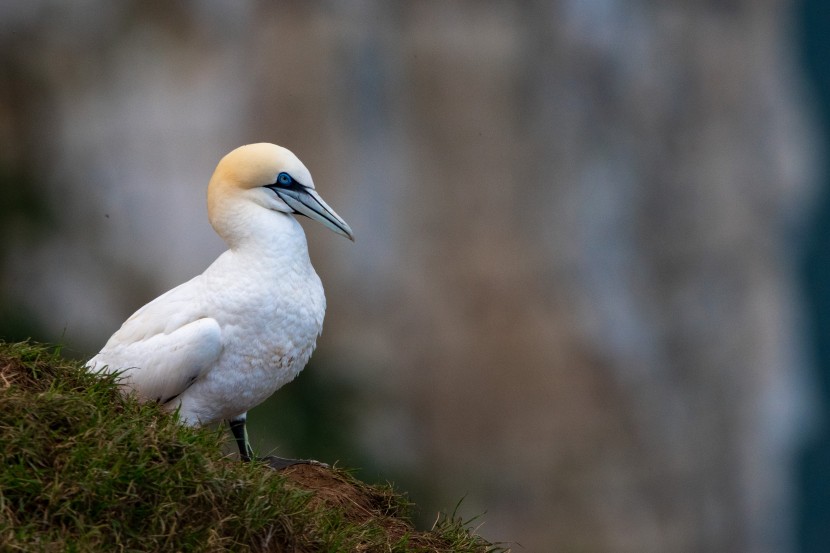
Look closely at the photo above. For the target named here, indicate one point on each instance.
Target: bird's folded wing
(164, 315)
(161, 366)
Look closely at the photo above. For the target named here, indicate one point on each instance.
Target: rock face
(572, 295)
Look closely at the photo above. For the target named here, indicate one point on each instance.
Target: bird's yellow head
(272, 177)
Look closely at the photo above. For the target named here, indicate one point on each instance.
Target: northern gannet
(221, 343)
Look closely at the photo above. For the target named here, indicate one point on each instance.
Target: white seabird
(221, 343)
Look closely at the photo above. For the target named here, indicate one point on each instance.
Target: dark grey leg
(240, 434)
(246, 453)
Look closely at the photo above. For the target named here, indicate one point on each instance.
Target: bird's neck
(252, 229)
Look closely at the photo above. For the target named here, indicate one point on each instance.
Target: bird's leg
(246, 453)
(240, 433)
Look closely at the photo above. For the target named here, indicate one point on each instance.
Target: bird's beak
(306, 201)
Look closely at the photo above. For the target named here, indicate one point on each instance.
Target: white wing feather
(165, 346)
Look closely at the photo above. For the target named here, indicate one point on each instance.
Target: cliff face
(571, 296)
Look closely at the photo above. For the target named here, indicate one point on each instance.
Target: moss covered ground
(85, 468)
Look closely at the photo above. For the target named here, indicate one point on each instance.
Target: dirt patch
(360, 503)
(335, 489)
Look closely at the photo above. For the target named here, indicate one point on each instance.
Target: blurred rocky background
(587, 294)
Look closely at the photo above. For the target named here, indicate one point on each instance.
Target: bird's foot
(279, 463)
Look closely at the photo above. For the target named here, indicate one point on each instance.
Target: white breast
(270, 319)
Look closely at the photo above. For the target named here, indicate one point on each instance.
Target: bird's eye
(284, 179)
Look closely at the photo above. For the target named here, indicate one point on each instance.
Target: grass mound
(83, 468)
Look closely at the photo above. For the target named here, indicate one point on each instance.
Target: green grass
(85, 468)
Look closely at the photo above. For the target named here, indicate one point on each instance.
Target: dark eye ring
(284, 179)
